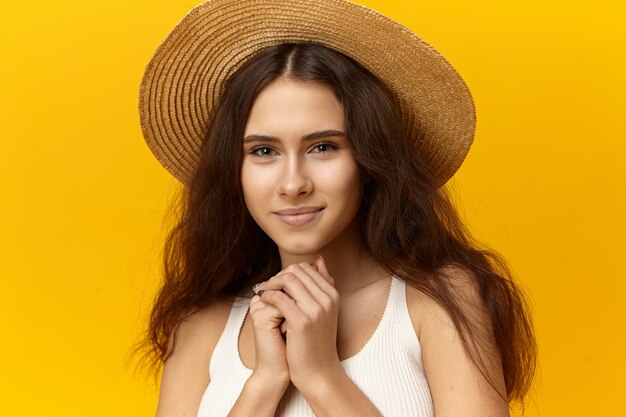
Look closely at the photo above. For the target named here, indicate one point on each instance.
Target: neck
(346, 260)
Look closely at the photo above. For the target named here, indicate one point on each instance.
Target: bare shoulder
(186, 370)
(202, 329)
(425, 311)
(457, 386)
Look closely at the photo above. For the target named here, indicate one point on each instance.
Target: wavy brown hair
(408, 223)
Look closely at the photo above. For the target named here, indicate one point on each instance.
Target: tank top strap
(397, 297)
(403, 327)
(225, 356)
(396, 293)
(393, 307)
(396, 303)
(393, 313)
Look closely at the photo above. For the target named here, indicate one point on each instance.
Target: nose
(295, 181)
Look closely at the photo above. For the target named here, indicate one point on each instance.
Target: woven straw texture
(186, 75)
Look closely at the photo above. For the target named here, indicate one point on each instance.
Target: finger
(257, 304)
(294, 316)
(310, 278)
(323, 300)
(323, 292)
(328, 295)
(320, 264)
(295, 282)
(326, 284)
(256, 300)
(264, 311)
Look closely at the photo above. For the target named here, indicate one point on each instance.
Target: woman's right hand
(269, 345)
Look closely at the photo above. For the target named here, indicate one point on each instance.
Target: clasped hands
(306, 297)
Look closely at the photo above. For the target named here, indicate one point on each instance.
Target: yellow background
(82, 198)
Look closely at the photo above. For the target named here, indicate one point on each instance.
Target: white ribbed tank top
(388, 369)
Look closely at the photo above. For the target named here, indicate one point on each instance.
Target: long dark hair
(407, 222)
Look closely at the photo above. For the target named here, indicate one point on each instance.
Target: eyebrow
(311, 136)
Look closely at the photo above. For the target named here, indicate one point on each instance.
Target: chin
(300, 247)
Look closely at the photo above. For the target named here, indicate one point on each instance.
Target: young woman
(318, 267)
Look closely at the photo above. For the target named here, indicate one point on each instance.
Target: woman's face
(299, 179)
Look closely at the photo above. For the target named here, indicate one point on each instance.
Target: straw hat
(184, 79)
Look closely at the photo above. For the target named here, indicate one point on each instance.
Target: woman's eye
(262, 151)
(324, 147)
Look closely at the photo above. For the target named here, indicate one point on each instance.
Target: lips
(298, 216)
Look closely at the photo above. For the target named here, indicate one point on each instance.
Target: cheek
(344, 180)
(349, 173)
(254, 185)
(258, 185)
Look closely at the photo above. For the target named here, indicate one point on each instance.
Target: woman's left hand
(310, 305)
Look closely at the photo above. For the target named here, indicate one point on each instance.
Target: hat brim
(184, 79)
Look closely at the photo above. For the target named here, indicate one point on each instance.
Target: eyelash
(254, 150)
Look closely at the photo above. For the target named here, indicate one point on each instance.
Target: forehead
(287, 107)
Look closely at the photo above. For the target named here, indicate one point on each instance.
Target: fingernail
(256, 286)
(322, 258)
(260, 293)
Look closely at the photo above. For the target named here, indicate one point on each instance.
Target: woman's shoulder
(424, 310)
(186, 370)
(199, 332)
(457, 385)
(202, 328)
